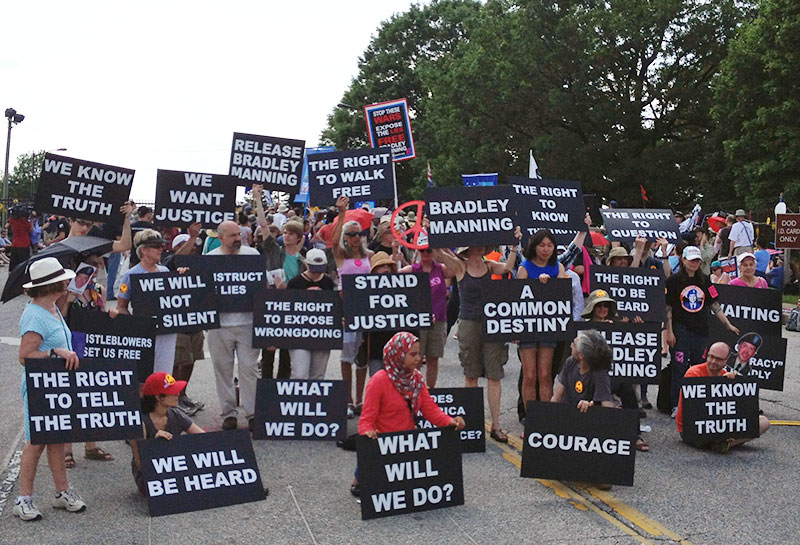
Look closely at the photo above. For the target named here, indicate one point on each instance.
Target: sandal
(69, 460)
(641, 445)
(499, 436)
(355, 490)
(97, 453)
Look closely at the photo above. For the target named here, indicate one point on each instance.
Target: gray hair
(594, 348)
(346, 249)
(143, 236)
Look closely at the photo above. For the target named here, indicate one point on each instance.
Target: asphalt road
(681, 495)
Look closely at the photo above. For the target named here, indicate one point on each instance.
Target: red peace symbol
(416, 228)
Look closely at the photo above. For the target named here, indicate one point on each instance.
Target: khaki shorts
(431, 341)
(479, 358)
(189, 348)
(742, 249)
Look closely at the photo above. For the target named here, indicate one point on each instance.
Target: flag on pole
(533, 168)
(644, 193)
(430, 175)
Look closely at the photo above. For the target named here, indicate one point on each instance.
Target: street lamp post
(14, 118)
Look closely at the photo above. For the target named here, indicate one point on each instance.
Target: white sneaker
(26, 510)
(674, 412)
(69, 500)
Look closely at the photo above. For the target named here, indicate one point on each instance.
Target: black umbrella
(65, 251)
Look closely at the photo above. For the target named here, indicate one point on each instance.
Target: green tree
(24, 179)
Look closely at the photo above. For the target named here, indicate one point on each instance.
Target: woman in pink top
(747, 272)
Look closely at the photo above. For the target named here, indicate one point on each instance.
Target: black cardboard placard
(556, 205)
(627, 224)
(363, 174)
(307, 319)
(182, 303)
(767, 365)
(314, 410)
(200, 471)
(277, 163)
(83, 189)
(527, 310)
(466, 403)
(236, 277)
(718, 408)
(183, 198)
(562, 443)
(637, 291)
(381, 302)
(471, 216)
(409, 471)
(99, 401)
(749, 309)
(636, 350)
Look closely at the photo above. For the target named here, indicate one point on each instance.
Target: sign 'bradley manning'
(475, 216)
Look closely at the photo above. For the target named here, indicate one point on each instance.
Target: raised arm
(342, 203)
(125, 241)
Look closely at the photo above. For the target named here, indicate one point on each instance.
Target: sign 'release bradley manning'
(718, 408)
(637, 291)
(307, 319)
(380, 302)
(388, 124)
(124, 337)
(409, 471)
(237, 277)
(199, 471)
(466, 403)
(301, 409)
(527, 310)
(765, 357)
(183, 198)
(472, 216)
(556, 205)
(182, 303)
(627, 224)
(564, 444)
(636, 350)
(358, 174)
(277, 163)
(97, 402)
(749, 309)
(82, 189)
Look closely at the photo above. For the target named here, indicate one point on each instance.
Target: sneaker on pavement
(187, 406)
(230, 423)
(351, 411)
(26, 510)
(674, 412)
(69, 500)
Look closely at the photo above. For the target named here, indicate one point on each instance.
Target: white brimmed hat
(47, 271)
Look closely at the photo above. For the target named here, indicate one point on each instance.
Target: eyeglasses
(357, 234)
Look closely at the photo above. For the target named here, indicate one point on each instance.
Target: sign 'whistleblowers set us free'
(182, 303)
(277, 163)
(301, 409)
(473, 216)
(380, 302)
(718, 408)
(183, 198)
(83, 189)
(636, 291)
(626, 225)
(527, 310)
(549, 204)
(363, 174)
(289, 319)
(635, 348)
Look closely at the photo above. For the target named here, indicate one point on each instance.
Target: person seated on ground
(160, 417)
(396, 393)
(714, 366)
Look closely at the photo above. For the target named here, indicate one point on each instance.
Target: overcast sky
(148, 85)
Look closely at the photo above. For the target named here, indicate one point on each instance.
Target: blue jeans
(689, 350)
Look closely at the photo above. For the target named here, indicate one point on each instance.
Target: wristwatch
(53, 353)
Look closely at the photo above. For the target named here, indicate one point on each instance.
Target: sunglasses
(357, 234)
(604, 304)
(426, 251)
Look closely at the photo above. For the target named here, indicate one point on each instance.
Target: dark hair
(699, 275)
(148, 404)
(535, 240)
(243, 218)
(47, 289)
(761, 241)
(143, 211)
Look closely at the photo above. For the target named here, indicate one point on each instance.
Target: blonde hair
(142, 237)
(294, 227)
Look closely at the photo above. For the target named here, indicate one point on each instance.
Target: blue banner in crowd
(474, 180)
(303, 195)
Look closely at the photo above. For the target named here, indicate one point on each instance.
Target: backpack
(793, 324)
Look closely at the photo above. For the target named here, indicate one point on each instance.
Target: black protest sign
(549, 204)
(301, 409)
(562, 443)
(388, 124)
(470, 216)
(182, 303)
(200, 471)
(749, 309)
(527, 310)
(307, 319)
(277, 163)
(409, 471)
(387, 302)
(237, 277)
(636, 350)
(83, 189)
(626, 225)
(97, 402)
(466, 403)
(719, 408)
(98, 335)
(364, 174)
(758, 357)
(637, 291)
(184, 198)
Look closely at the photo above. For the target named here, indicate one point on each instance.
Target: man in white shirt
(280, 218)
(741, 236)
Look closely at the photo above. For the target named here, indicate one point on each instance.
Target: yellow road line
(784, 422)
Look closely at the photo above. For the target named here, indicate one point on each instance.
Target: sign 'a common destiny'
(358, 174)
(409, 471)
(288, 319)
(380, 302)
(564, 444)
(388, 124)
(549, 204)
(636, 291)
(277, 163)
(236, 277)
(184, 198)
(749, 309)
(636, 350)
(182, 303)
(719, 408)
(99, 401)
(200, 471)
(758, 357)
(82, 189)
(626, 225)
(466, 403)
(301, 409)
(471, 216)
(527, 310)
(787, 231)
(124, 337)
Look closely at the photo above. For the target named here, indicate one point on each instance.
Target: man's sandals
(499, 435)
(641, 445)
(97, 453)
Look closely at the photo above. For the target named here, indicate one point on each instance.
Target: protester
(718, 276)
(44, 334)
(706, 249)
(244, 227)
(762, 256)
(5, 246)
(741, 235)
(280, 217)
(722, 243)
(36, 233)
(775, 274)
(21, 228)
(212, 241)
(746, 263)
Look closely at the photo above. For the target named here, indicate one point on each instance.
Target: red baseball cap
(162, 383)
